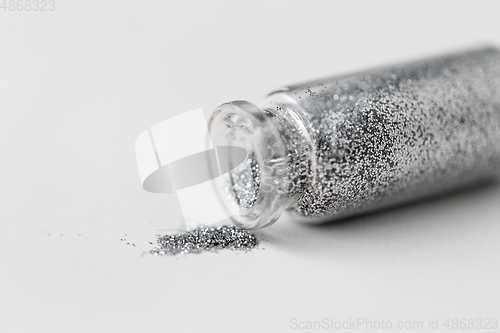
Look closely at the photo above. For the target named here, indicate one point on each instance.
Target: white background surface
(78, 85)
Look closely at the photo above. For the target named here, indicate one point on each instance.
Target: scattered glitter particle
(206, 239)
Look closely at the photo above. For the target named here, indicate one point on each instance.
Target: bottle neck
(278, 165)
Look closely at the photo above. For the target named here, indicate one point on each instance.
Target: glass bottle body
(344, 145)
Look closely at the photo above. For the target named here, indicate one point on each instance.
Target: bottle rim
(243, 124)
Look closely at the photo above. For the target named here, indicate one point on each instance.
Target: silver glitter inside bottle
(343, 145)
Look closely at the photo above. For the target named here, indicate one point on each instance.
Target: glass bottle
(338, 146)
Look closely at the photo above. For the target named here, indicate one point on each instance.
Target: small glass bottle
(343, 145)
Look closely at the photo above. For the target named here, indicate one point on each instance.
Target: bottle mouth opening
(250, 192)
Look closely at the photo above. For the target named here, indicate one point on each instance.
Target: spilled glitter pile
(205, 239)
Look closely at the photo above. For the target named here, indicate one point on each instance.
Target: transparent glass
(343, 145)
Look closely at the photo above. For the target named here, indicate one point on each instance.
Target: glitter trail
(205, 239)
